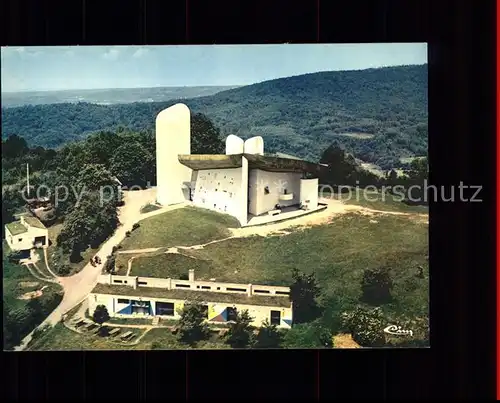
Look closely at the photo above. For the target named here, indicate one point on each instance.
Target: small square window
(19, 239)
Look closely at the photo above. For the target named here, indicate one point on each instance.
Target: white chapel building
(244, 182)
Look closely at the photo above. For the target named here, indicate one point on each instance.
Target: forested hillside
(379, 115)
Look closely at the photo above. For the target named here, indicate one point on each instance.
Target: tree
(205, 137)
(192, 326)
(365, 326)
(130, 164)
(101, 146)
(100, 314)
(94, 177)
(268, 336)
(240, 333)
(303, 293)
(308, 335)
(392, 177)
(12, 201)
(418, 170)
(89, 223)
(376, 286)
(15, 146)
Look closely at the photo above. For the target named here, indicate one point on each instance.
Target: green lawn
(337, 253)
(182, 227)
(17, 281)
(376, 200)
(172, 265)
(61, 338)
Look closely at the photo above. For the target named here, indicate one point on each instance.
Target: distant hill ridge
(300, 115)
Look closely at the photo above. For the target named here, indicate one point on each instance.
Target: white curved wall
(309, 192)
(234, 145)
(224, 190)
(261, 202)
(173, 137)
(254, 145)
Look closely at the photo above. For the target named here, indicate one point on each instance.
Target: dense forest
(379, 115)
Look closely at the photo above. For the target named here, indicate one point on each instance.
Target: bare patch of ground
(32, 294)
(344, 340)
(28, 284)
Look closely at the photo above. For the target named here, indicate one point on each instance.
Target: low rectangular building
(26, 234)
(127, 301)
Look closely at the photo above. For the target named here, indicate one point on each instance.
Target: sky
(94, 67)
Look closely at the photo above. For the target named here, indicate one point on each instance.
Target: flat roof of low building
(191, 295)
(265, 162)
(34, 222)
(16, 228)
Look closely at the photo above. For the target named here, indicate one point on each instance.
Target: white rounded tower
(173, 137)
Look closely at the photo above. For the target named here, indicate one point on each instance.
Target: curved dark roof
(264, 162)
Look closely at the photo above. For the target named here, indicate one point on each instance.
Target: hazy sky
(84, 67)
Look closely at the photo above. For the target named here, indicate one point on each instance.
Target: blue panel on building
(126, 311)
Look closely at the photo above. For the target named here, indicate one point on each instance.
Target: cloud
(19, 50)
(70, 53)
(140, 52)
(111, 54)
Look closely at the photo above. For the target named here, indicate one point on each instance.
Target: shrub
(192, 326)
(135, 226)
(366, 326)
(308, 335)
(100, 314)
(268, 336)
(103, 331)
(240, 333)
(156, 345)
(376, 286)
(63, 270)
(109, 266)
(39, 331)
(115, 248)
(15, 256)
(127, 234)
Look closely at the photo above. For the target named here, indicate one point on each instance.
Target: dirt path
(35, 274)
(335, 208)
(49, 278)
(145, 250)
(47, 263)
(77, 287)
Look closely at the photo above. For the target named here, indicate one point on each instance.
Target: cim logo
(398, 331)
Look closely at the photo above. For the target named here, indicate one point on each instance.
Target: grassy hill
(378, 114)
